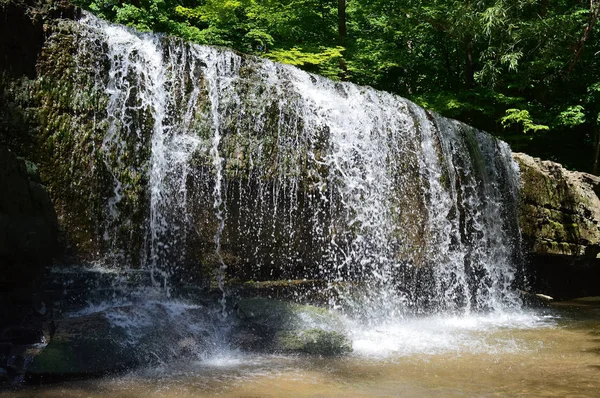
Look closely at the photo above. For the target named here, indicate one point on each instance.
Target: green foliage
(572, 116)
(326, 61)
(471, 60)
(522, 118)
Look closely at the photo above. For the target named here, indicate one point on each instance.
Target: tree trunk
(469, 68)
(342, 20)
(594, 12)
(597, 149)
(342, 36)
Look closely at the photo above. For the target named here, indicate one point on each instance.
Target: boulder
(560, 225)
(118, 338)
(83, 346)
(313, 342)
(281, 326)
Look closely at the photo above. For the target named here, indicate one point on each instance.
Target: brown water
(552, 354)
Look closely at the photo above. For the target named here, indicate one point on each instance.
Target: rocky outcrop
(36, 107)
(28, 230)
(560, 224)
(23, 30)
(561, 209)
(24, 27)
(28, 243)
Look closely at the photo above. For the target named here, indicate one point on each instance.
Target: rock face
(560, 223)
(28, 223)
(285, 166)
(28, 242)
(28, 232)
(197, 161)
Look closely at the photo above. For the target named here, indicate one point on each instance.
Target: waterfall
(259, 171)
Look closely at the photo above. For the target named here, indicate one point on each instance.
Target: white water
(262, 169)
(219, 72)
(443, 334)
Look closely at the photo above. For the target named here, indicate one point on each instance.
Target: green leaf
(522, 118)
(572, 116)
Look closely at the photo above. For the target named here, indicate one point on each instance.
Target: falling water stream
(295, 176)
(259, 171)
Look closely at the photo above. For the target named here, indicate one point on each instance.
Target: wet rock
(313, 341)
(532, 300)
(286, 315)
(544, 297)
(280, 326)
(313, 290)
(28, 225)
(168, 333)
(22, 335)
(118, 337)
(19, 359)
(86, 345)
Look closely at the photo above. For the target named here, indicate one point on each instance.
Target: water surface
(553, 353)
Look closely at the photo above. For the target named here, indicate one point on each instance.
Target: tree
(524, 70)
(594, 11)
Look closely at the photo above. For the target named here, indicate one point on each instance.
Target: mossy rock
(313, 342)
(284, 315)
(560, 209)
(83, 346)
(280, 326)
(80, 357)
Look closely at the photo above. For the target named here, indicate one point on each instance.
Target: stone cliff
(28, 239)
(53, 111)
(560, 224)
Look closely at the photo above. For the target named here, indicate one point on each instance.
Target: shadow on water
(583, 315)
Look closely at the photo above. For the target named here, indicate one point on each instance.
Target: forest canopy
(523, 70)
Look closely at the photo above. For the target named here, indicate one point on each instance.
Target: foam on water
(436, 335)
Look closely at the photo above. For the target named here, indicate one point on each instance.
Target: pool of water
(552, 353)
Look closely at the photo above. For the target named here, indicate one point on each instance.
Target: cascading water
(218, 69)
(233, 167)
(146, 92)
(296, 176)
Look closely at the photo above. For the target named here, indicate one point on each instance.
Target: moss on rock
(282, 326)
(560, 210)
(313, 342)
